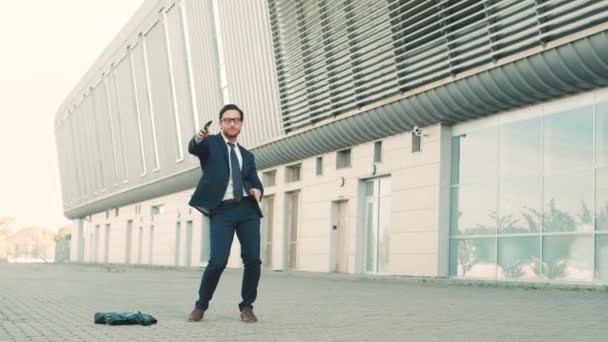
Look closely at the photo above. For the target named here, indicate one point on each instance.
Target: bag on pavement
(124, 318)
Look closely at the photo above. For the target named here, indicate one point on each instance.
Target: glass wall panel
(568, 140)
(601, 132)
(601, 196)
(473, 257)
(475, 156)
(601, 257)
(473, 209)
(568, 257)
(568, 202)
(519, 205)
(519, 257)
(520, 148)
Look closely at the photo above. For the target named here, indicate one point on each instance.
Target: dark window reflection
(568, 202)
(601, 193)
(473, 209)
(475, 156)
(568, 257)
(519, 257)
(601, 132)
(473, 257)
(520, 148)
(519, 206)
(601, 257)
(568, 140)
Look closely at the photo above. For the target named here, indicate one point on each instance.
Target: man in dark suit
(228, 192)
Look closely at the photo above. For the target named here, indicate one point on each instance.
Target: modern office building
(458, 138)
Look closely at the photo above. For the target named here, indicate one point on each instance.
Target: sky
(46, 47)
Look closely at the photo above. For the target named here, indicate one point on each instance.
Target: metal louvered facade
(511, 98)
(337, 56)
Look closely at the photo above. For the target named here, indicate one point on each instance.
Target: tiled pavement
(57, 303)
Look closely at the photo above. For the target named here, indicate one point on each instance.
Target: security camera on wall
(416, 134)
(417, 131)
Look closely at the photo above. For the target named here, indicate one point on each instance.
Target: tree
(64, 233)
(5, 223)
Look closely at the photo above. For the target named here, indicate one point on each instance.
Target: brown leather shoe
(196, 315)
(247, 315)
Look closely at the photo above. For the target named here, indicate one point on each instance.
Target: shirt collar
(227, 141)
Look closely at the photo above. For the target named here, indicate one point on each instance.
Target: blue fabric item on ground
(124, 318)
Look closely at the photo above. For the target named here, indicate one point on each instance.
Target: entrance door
(339, 237)
(377, 210)
(106, 255)
(268, 224)
(188, 247)
(140, 242)
(128, 242)
(178, 237)
(80, 241)
(291, 216)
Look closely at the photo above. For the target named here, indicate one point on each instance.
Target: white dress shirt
(228, 194)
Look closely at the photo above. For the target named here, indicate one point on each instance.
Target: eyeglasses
(234, 121)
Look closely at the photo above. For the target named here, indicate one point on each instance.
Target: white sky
(46, 46)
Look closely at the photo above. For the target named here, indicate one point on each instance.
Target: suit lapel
(244, 153)
(224, 147)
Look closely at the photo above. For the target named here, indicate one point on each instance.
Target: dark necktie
(237, 181)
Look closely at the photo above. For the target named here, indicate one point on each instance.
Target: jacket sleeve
(200, 149)
(255, 180)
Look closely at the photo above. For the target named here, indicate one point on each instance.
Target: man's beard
(228, 135)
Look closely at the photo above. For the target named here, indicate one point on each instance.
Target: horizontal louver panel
(333, 56)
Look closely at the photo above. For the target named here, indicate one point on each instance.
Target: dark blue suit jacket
(213, 155)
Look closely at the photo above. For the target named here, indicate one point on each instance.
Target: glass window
(568, 257)
(519, 257)
(369, 188)
(601, 257)
(269, 178)
(473, 209)
(568, 139)
(474, 156)
(520, 148)
(293, 173)
(343, 159)
(473, 257)
(519, 206)
(601, 193)
(377, 151)
(601, 132)
(319, 166)
(568, 202)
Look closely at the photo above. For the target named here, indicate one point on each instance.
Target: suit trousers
(243, 218)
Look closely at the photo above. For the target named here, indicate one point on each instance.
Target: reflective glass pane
(384, 223)
(601, 193)
(601, 132)
(601, 257)
(568, 257)
(474, 156)
(473, 209)
(371, 238)
(473, 257)
(369, 188)
(519, 202)
(519, 257)
(568, 139)
(520, 148)
(568, 202)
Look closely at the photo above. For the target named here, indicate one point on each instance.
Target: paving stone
(56, 302)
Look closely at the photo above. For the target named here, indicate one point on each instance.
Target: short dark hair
(230, 107)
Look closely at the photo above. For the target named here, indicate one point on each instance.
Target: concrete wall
(418, 227)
